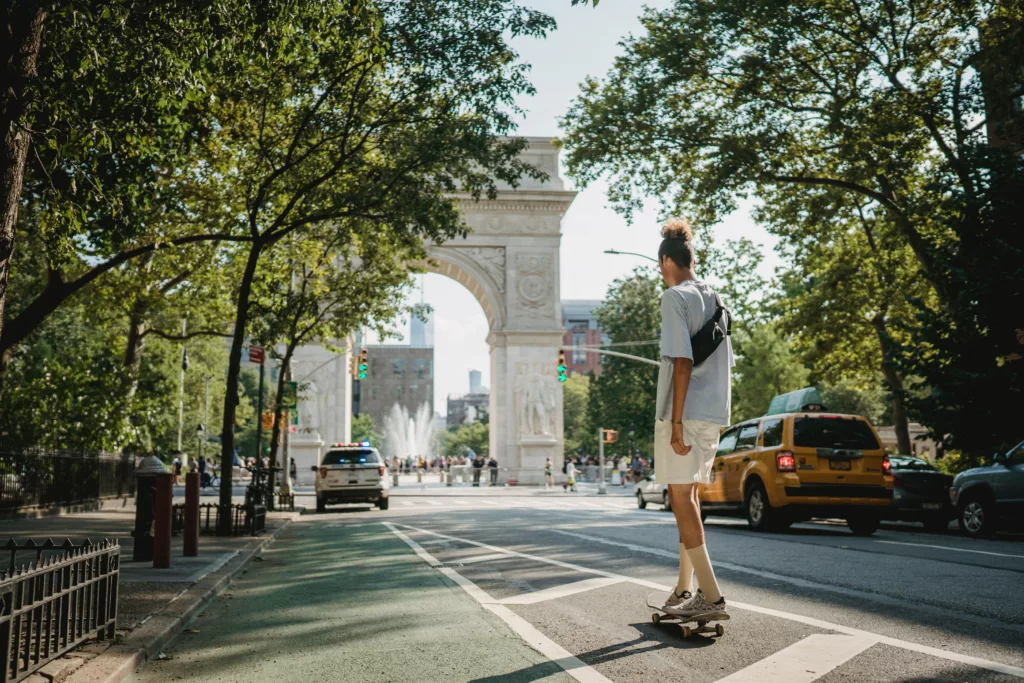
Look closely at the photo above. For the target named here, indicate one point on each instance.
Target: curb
(121, 660)
(41, 512)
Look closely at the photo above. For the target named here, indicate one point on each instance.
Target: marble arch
(510, 262)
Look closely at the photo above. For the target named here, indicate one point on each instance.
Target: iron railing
(245, 519)
(35, 477)
(51, 606)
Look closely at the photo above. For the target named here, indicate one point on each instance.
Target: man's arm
(681, 370)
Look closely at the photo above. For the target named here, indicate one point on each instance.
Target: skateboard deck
(657, 601)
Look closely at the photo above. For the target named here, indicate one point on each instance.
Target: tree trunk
(227, 436)
(24, 28)
(892, 377)
(133, 352)
(275, 434)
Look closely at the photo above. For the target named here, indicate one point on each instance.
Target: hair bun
(677, 229)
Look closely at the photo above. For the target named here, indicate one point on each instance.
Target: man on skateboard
(694, 391)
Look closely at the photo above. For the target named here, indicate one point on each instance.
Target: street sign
(256, 355)
(290, 395)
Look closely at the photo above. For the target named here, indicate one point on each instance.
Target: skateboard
(657, 601)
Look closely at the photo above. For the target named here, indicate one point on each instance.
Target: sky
(585, 44)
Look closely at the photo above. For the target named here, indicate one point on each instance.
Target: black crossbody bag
(714, 332)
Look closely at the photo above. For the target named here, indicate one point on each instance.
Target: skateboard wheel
(687, 632)
(656, 618)
(719, 630)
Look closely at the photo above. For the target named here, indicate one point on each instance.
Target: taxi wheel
(761, 516)
(640, 502)
(382, 503)
(321, 504)
(864, 525)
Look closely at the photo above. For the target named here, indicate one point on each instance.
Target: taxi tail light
(380, 470)
(785, 462)
(323, 472)
(886, 465)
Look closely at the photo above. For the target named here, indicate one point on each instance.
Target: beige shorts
(695, 466)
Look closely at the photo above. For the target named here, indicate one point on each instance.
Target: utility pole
(206, 410)
(601, 488)
(181, 395)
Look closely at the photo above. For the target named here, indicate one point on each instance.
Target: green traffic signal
(562, 378)
(561, 369)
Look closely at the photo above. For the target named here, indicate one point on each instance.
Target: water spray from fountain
(407, 436)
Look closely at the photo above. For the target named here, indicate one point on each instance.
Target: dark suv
(989, 497)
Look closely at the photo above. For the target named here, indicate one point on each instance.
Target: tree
(884, 104)
(93, 128)
(474, 436)
(847, 397)
(363, 429)
(625, 394)
(766, 368)
(367, 115)
(577, 426)
(320, 287)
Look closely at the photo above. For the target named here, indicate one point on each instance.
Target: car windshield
(899, 463)
(833, 432)
(352, 456)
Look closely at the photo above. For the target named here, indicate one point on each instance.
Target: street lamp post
(629, 253)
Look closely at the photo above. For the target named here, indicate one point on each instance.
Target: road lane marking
(407, 502)
(946, 547)
(461, 502)
(945, 615)
(434, 503)
(799, 618)
(804, 661)
(482, 558)
(572, 665)
(556, 592)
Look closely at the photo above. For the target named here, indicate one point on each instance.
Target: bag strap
(718, 314)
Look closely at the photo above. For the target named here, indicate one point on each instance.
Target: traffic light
(364, 365)
(609, 435)
(562, 372)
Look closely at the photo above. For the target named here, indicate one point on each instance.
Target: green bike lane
(326, 603)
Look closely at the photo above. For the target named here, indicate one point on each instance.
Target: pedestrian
(176, 469)
(294, 470)
(570, 476)
(492, 465)
(623, 470)
(549, 480)
(478, 466)
(638, 469)
(204, 478)
(692, 406)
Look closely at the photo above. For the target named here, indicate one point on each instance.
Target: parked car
(649, 491)
(351, 473)
(783, 468)
(920, 493)
(987, 498)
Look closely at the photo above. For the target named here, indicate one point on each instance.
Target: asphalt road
(523, 589)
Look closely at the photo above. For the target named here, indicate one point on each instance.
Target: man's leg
(686, 508)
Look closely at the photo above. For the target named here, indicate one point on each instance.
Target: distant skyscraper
(421, 333)
(474, 382)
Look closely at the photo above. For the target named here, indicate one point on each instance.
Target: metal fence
(245, 519)
(64, 597)
(34, 477)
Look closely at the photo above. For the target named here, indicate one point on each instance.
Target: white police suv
(351, 473)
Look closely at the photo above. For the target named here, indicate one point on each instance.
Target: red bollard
(162, 523)
(191, 532)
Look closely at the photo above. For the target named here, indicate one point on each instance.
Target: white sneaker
(675, 599)
(697, 604)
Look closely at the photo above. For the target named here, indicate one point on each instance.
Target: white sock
(705, 574)
(685, 582)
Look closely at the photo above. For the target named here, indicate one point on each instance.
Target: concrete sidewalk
(153, 604)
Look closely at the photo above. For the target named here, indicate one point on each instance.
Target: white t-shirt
(685, 309)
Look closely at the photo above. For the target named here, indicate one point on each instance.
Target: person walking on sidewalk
(570, 475)
(478, 466)
(692, 406)
(549, 480)
(492, 465)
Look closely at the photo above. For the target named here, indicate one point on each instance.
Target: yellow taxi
(791, 466)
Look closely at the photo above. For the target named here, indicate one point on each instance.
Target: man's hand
(677, 440)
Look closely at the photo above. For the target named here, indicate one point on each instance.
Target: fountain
(407, 436)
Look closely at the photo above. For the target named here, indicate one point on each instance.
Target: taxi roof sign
(807, 399)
